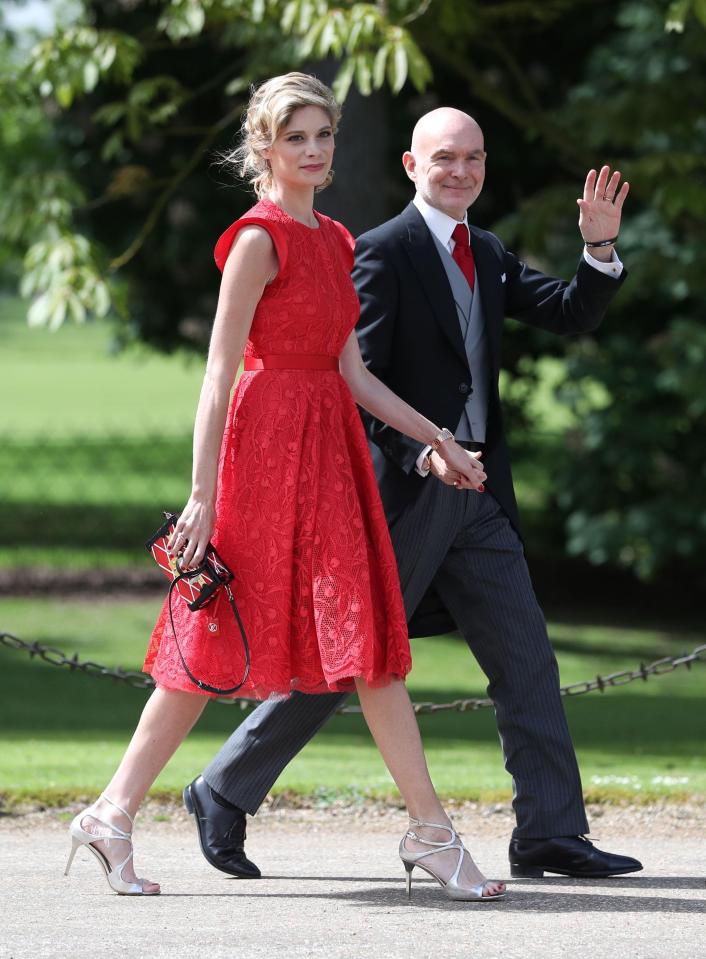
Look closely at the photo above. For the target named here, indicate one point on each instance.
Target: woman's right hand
(461, 468)
(193, 532)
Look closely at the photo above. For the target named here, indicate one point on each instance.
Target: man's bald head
(437, 124)
(446, 160)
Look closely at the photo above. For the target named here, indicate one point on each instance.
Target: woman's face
(302, 154)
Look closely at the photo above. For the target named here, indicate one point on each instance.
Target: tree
(634, 482)
(632, 470)
(140, 97)
(123, 109)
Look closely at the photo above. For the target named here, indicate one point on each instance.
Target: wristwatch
(441, 438)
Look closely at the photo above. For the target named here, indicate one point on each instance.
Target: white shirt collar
(441, 224)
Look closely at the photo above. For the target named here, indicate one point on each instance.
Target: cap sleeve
(347, 242)
(225, 240)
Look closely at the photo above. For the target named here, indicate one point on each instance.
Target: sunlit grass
(63, 733)
(72, 382)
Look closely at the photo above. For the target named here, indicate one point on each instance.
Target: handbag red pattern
(197, 587)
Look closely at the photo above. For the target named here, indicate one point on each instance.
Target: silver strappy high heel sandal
(450, 886)
(114, 874)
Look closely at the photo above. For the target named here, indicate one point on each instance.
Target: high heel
(114, 874)
(450, 886)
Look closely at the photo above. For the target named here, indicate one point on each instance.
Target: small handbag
(198, 587)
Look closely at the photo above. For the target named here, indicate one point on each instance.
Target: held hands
(192, 533)
(601, 209)
(457, 467)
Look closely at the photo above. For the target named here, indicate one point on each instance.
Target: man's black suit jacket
(410, 338)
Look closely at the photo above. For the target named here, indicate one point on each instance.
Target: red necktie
(463, 254)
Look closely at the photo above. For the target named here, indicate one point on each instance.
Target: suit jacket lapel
(428, 267)
(491, 291)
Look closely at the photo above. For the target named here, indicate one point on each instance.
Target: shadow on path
(427, 895)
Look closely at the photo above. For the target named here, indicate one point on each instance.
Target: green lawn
(63, 733)
(88, 502)
(72, 383)
(93, 445)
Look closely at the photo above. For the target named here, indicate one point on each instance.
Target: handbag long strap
(198, 682)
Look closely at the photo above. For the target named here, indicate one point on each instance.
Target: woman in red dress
(283, 484)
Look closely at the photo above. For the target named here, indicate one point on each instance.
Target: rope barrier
(139, 680)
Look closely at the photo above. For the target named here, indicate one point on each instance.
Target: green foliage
(631, 477)
(634, 482)
(680, 10)
(103, 82)
(61, 271)
(76, 59)
(149, 103)
(38, 197)
(23, 142)
(365, 37)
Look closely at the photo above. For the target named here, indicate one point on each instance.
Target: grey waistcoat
(473, 420)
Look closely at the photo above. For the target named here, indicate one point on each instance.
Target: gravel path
(334, 887)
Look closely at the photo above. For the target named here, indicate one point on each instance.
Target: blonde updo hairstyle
(270, 109)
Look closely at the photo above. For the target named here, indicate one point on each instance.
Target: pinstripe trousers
(462, 543)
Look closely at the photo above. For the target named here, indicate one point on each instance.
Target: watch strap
(440, 438)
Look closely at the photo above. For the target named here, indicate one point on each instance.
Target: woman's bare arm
(251, 264)
(372, 394)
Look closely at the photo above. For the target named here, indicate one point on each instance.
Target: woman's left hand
(193, 532)
(468, 466)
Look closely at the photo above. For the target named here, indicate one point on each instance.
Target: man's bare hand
(469, 475)
(442, 471)
(601, 209)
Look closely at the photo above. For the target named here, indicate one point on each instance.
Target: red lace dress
(299, 516)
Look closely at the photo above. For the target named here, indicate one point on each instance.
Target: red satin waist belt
(290, 361)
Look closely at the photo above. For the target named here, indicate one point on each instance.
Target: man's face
(447, 162)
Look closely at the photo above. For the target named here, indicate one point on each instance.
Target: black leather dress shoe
(568, 856)
(221, 828)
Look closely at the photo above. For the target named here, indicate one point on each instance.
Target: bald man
(434, 292)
